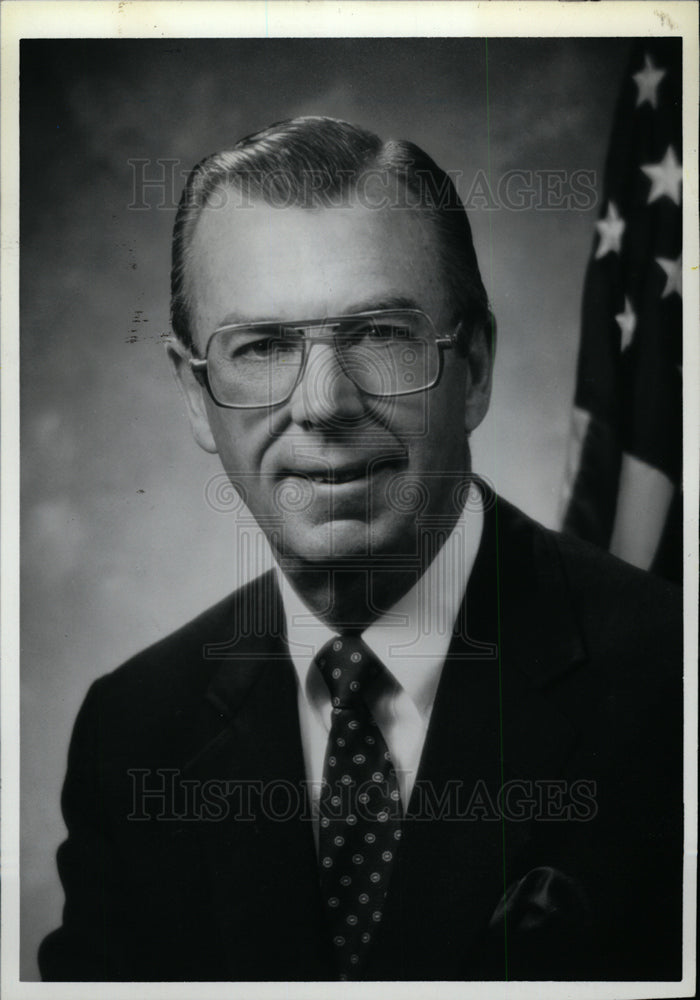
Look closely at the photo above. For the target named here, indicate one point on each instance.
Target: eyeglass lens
(388, 354)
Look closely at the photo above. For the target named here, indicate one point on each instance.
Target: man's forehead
(233, 215)
(255, 260)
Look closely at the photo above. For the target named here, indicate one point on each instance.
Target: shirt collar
(412, 638)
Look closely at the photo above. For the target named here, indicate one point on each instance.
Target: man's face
(327, 471)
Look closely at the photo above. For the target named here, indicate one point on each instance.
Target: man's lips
(337, 475)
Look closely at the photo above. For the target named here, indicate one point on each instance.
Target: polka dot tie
(360, 806)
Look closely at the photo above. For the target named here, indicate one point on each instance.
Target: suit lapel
(259, 852)
(490, 724)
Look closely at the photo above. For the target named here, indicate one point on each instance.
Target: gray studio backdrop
(127, 532)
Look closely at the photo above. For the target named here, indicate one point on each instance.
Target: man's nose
(325, 395)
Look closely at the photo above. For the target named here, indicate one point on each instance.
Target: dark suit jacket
(564, 695)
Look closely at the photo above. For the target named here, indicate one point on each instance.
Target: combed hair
(314, 162)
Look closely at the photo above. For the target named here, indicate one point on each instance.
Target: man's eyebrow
(365, 305)
(388, 302)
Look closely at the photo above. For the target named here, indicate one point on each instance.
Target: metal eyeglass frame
(199, 365)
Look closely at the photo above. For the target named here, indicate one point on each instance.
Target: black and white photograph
(355, 367)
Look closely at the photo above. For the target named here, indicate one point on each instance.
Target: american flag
(623, 480)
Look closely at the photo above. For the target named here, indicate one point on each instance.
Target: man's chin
(338, 541)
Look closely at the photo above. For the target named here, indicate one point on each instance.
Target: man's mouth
(339, 475)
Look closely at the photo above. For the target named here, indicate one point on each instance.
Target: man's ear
(480, 351)
(193, 393)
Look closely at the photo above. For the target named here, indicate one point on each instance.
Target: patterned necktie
(360, 806)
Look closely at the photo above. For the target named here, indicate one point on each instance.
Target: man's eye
(388, 331)
(260, 348)
(280, 349)
(374, 331)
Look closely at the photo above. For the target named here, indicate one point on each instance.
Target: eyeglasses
(387, 352)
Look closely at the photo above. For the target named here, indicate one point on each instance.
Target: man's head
(307, 220)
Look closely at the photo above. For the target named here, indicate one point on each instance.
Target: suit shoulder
(630, 619)
(182, 662)
(601, 581)
(604, 639)
(612, 600)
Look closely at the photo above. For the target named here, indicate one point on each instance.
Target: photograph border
(318, 18)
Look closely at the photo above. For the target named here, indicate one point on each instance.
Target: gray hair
(313, 162)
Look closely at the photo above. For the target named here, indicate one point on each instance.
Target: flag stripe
(643, 502)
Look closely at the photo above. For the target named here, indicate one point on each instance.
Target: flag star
(611, 229)
(627, 321)
(665, 178)
(673, 275)
(647, 80)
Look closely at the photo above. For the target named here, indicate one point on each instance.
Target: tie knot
(347, 666)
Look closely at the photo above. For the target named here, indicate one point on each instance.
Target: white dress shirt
(411, 640)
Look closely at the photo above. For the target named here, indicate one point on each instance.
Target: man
(438, 741)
